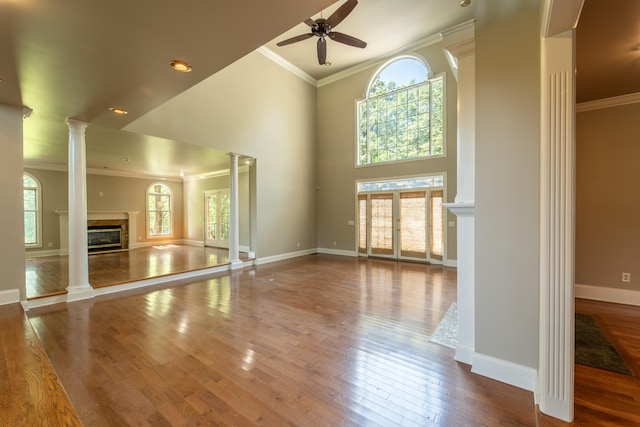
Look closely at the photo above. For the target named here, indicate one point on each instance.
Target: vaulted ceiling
(74, 58)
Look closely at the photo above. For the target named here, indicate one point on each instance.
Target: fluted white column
(459, 42)
(234, 221)
(79, 287)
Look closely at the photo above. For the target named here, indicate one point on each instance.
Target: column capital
(76, 124)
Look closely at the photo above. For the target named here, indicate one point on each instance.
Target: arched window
(402, 116)
(158, 210)
(32, 211)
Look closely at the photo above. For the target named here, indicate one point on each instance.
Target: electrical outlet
(298, 244)
(334, 243)
(626, 277)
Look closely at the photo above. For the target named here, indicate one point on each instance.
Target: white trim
(504, 371)
(427, 41)
(94, 171)
(451, 263)
(615, 295)
(44, 301)
(340, 252)
(282, 257)
(268, 53)
(170, 279)
(40, 254)
(77, 294)
(10, 296)
(464, 354)
(198, 243)
(615, 101)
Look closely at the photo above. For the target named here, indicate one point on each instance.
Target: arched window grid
(159, 211)
(405, 123)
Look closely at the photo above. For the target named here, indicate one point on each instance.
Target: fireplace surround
(98, 222)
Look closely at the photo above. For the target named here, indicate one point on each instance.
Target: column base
(77, 294)
(235, 264)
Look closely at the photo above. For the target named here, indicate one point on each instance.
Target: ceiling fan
(322, 28)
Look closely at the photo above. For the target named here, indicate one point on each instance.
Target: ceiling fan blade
(322, 51)
(341, 13)
(310, 22)
(295, 39)
(346, 39)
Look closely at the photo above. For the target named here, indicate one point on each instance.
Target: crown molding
(287, 65)
(615, 101)
(425, 42)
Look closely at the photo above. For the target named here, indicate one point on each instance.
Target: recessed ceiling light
(328, 64)
(183, 67)
(465, 3)
(119, 111)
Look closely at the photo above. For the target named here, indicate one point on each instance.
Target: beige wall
(53, 186)
(507, 180)
(607, 197)
(118, 194)
(337, 173)
(256, 108)
(11, 217)
(194, 209)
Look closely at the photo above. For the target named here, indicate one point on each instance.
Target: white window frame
(431, 78)
(148, 212)
(38, 211)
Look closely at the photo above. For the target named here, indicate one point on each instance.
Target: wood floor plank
(313, 341)
(30, 392)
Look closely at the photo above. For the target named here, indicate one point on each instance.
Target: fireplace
(124, 220)
(107, 235)
(103, 238)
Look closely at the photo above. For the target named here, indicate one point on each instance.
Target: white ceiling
(77, 58)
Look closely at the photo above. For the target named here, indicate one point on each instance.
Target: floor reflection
(49, 275)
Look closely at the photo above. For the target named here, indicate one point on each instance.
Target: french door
(401, 224)
(217, 217)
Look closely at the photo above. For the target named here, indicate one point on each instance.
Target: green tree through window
(402, 117)
(159, 210)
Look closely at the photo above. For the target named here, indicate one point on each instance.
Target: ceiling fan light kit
(323, 28)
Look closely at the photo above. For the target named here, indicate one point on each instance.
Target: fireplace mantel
(130, 216)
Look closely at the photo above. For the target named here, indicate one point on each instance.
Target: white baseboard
(615, 295)
(282, 257)
(337, 252)
(187, 275)
(10, 296)
(193, 242)
(464, 354)
(451, 263)
(40, 254)
(504, 371)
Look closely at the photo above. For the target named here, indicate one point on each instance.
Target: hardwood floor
(30, 392)
(315, 341)
(47, 276)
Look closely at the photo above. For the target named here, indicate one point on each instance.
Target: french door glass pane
(382, 224)
(362, 223)
(212, 206)
(413, 224)
(437, 225)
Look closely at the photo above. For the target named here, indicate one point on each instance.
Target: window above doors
(402, 116)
